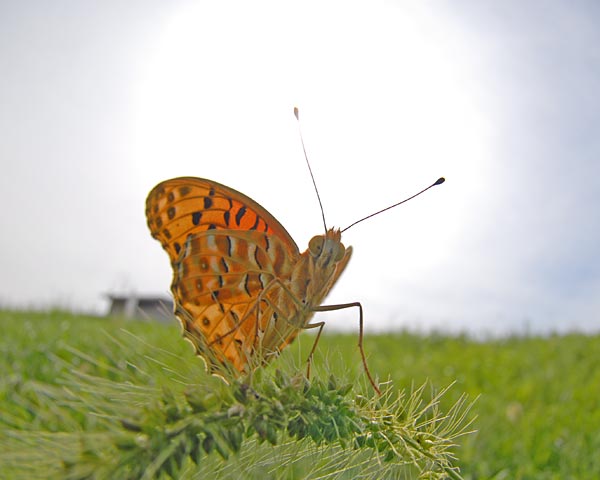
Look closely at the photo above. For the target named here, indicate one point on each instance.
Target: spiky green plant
(138, 415)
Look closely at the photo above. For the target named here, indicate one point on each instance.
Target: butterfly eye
(316, 245)
(341, 250)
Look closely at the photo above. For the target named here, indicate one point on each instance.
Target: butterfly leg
(320, 326)
(263, 297)
(329, 308)
(299, 306)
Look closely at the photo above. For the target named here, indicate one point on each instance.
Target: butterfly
(242, 289)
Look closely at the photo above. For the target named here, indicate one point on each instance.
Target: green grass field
(537, 408)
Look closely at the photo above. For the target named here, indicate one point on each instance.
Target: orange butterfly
(242, 289)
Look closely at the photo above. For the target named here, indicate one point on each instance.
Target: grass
(538, 409)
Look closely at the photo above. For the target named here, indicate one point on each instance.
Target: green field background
(538, 399)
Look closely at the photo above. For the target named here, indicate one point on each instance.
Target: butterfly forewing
(181, 206)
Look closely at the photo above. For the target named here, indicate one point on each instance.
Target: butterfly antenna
(296, 114)
(439, 181)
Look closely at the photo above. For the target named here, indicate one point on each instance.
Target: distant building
(142, 307)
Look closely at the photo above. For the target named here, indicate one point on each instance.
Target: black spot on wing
(228, 246)
(246, 279)
(256, 258)
(239, 215)
(225, 266)
(215, 297)
(196, 217)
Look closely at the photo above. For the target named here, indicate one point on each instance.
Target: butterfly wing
(182, 206)
(225, 250)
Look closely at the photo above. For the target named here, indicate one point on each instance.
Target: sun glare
(385, 104)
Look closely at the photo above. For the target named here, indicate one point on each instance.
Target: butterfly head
(327, 249)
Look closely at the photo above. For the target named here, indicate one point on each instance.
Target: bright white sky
(102, 100)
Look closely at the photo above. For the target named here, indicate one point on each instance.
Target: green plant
(140, 411)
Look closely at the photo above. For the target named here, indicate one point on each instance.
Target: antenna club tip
(439, 181)
(296, 113)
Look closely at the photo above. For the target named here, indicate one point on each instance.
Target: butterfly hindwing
(222, 283)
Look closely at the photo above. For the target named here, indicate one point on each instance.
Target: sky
(101, 100)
